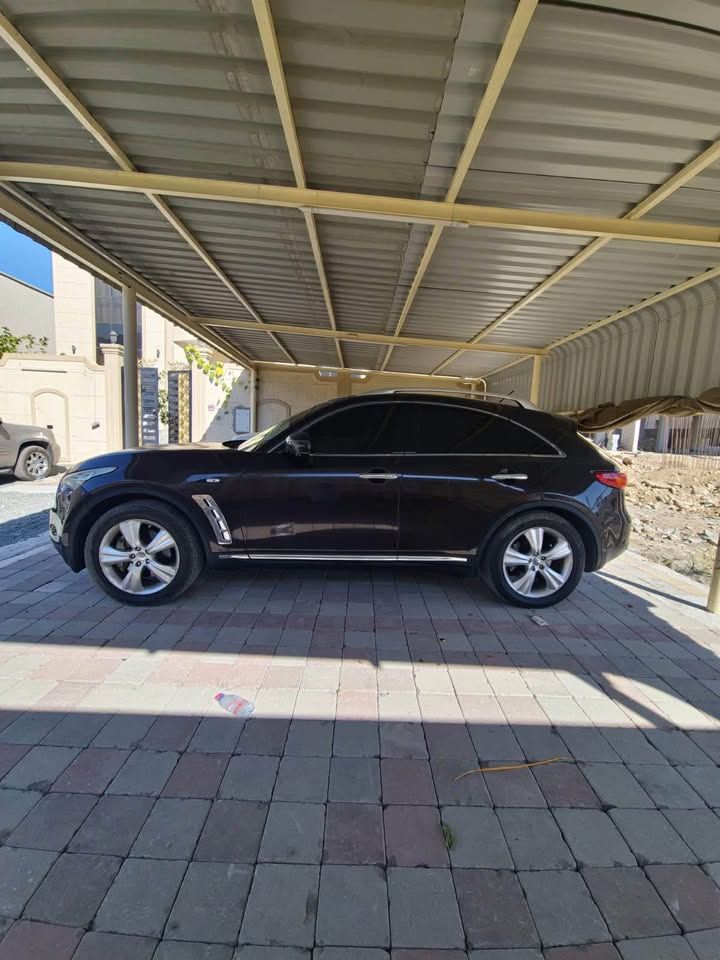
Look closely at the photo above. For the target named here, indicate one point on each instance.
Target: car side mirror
(298, 445)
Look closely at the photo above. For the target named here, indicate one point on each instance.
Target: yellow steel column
(535, 380)
(713, 603)
(130, 365)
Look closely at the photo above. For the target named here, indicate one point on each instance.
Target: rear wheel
(33, 463)
(143, 552)
(536, 559)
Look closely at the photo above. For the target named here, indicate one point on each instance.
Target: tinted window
(450, 429)
(369, 428)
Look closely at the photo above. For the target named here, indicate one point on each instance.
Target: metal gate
(179, 406)
(149, 424)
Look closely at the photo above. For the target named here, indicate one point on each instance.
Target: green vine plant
(162, 399)
(215, 372)
(17, 343)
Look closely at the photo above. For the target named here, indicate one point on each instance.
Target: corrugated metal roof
(603, 103)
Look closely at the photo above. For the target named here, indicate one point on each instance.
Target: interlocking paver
(477, 838)
(703, 779)
(700, 829)
(467, 791)
(41, 941)
(96, 945)
(529, 953)
(250, 952)
(665, 786)
(123, 730)
(144, 773)
(249, 778)
(562, 908)
(39, 768)
(141, 897)
(514, 788)
(73, 889)
(91, 771)
(594, 839)
(51, 823)
(210, 903)
(197, 775)
(629, 903)
(414, 838)
(76, 730)
(295, 886)
(704, 943)
(690, 894)
(10, 753)
(677, 748)
(112, 825)
(534, 840)
(616, 786)
(263, 737)
(353, 907)
(401, 739)
(356, 738)
(656, 948)
(310, 738)
(355, 953)
(493, 909)
(564, 785)
(651, 838)
(354, 780)
(590, 951)
(14, 807)
(172, 829)
(354, 834)
(303, 779)
(21, 873)
(293, 833)
(423, 909)
(232, 832)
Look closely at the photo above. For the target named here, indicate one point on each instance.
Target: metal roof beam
(360, 205)
(508, 51)
(44, 72)
(61, 237)
(361, 336)
(666, 189)
(273, 59)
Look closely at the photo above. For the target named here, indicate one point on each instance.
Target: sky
(25, 259)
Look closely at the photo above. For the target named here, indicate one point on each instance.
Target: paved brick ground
(137, 820)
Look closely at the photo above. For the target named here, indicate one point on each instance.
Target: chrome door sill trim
(375, 558)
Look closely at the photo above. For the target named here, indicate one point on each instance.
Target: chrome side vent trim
(215, 516)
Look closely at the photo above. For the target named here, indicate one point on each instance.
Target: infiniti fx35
(495, 486)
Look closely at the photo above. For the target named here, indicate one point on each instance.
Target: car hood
(139, 455)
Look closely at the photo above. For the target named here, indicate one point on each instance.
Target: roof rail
(475, 395)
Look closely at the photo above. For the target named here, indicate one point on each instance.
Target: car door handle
(509, 476)
(378, 476)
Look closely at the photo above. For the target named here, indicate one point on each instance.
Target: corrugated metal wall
(671, 348)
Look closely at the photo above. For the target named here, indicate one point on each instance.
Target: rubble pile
(675, 507)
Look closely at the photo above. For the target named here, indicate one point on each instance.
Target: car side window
(443, 428)
(371, 428)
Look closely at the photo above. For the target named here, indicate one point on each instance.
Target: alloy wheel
(37, 464)
(139, 556)
(537, 562)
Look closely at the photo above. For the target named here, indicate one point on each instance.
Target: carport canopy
(437, 187)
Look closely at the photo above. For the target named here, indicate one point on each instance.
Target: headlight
(71, 481)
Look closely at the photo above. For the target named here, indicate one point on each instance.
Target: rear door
(468, 468)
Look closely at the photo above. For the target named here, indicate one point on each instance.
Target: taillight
(611, 478)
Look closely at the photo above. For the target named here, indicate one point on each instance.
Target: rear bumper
(616, 526)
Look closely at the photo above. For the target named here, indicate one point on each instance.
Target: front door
(8, 448)
(341, 500)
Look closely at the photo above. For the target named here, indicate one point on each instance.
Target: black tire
(33, 463)
(187, 553)
(494, 567)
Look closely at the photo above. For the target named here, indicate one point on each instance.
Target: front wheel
(34, 463)
(143, 552)
(536, 560)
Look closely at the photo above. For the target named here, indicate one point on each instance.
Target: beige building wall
(26, 309)
(74, 296)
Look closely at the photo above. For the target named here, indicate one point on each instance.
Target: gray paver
(535, 841)
(692, 897)
(704, 943)
(21, 872)
(469, 791)
(399, 739)
(123, 730)
(140, 899)
(564, 785)
(354, 780)
(14, 807)
(73, 889)
(629, 902)
(232, 832)
(39, 941)
(651, 838)
(354, 953)
(615, 785)
(514, 788)
(407, 780)
(293, 833)
(354, 834)
(493, 909)
(704, 780)
(50, 825)
(249, 778)
(172, 829)
(215, 735)
(250, 952)
(210, 903)
(39, 768)
(112, 826)
(96, 945)
(309, 738)
(677, 748)
(414, 838)
(478, 838)
(656, 948)
(144, 773)
(665, 786)
(700, 829)
(186, 950)
(356, 739)
(594, 839)
(353, 907)
(423, 909)
(295, 886)
(591, 951)
(521, 954)
(76, 730)
(562, 908)
(303, 779)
